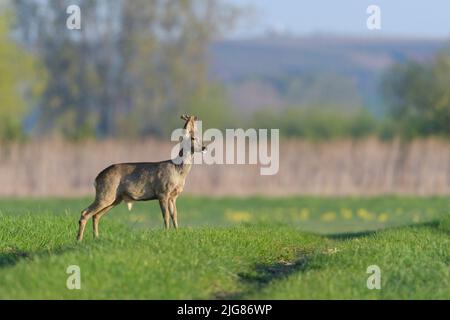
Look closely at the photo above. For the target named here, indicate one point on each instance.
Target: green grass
(292, 248)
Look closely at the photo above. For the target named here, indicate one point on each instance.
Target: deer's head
(191, 140)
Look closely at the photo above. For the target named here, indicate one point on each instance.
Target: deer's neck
(185, 156)
(184, 163)
(184, 169)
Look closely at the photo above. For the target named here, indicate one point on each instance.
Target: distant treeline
(321, 123)
(417, 99)
(137, 65)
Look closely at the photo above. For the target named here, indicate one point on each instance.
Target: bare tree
(133, 62)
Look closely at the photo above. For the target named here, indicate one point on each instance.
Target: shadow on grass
(11, 256)
(353, 235)
(350, 236)
(262, 275)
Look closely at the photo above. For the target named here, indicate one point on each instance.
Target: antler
(185, 117)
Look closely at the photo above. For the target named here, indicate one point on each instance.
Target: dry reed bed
(346, 167)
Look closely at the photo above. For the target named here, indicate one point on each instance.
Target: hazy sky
(413, 18)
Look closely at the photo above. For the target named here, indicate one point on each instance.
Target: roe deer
(143, 181)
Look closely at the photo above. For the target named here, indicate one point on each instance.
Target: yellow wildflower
(346, 213)
(328, 216)
(383, 217)
(238, 216)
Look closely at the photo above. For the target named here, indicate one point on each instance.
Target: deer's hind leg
(95, 208)
(96, 217)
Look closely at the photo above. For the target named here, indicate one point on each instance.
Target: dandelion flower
(365, 215)
(304, 214)
(383, 217)
(329, 216)
(238, 216)
(346, 214)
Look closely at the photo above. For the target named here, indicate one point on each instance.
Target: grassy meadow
(230, 248)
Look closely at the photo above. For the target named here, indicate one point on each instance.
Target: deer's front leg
(164, 204)
(173, 211)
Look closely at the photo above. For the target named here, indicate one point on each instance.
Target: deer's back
(140, 180)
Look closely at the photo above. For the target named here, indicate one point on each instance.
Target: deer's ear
(195, 118)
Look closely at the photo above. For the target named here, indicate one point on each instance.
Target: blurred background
(360, 112)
